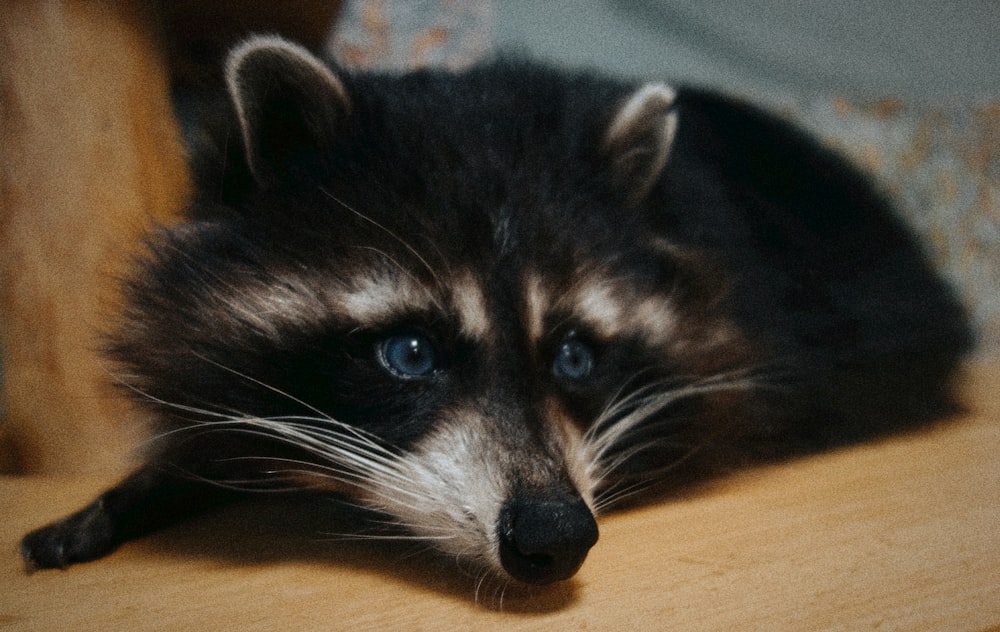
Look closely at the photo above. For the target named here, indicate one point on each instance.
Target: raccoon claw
(38, 555)
(83, 536)
(43, 549)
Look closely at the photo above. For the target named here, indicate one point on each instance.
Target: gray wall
(938, 51)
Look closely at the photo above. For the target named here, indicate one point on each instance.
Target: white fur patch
(470, 304)
(450, 490)
(381, 298)
(612, 308)
(273, 305)
(267, 306)
(606, 305)
(577, 455)
(654, 317)
(598, 304)
(536, 304)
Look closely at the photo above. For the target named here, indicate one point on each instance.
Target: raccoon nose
(544, 539)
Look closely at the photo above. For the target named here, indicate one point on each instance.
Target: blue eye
(574, 360)
(408, 355)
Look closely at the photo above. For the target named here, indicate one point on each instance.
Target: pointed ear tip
(255, 44)
(639, 139)
(264, 41)
(280, 90)
(640, 112)
(240, 62)
(657, 92)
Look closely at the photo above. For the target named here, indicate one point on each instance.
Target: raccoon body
(490, 304)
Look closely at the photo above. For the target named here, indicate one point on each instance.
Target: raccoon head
(440, 296)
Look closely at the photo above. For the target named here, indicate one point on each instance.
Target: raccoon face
(444, 325)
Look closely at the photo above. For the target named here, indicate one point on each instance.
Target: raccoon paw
(80, 537)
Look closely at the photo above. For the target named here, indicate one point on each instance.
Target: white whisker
(269, 387)
(402, 537)
(384, 229)
(608, 443)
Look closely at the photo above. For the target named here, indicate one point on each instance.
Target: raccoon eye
(574, 360)
(407, 355)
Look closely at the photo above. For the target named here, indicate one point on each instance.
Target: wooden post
(90, 157)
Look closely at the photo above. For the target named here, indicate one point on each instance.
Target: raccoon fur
(488, 305)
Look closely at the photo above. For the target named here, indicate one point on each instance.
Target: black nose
(545, 537)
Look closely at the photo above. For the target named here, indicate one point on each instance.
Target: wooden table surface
(898, 535)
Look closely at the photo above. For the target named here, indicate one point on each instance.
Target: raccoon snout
(545, 538)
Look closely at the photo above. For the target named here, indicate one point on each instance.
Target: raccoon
(489, 305)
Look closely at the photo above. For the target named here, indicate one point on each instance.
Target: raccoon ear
(638, 141)
(289, 105)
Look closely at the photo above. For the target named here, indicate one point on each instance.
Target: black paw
(85, 535)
